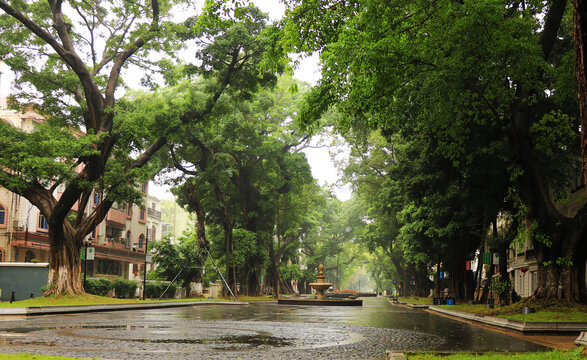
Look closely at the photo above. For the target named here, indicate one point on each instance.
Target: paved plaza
(256, 331)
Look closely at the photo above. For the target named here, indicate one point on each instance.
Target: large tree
(481, 80)
(69, 59)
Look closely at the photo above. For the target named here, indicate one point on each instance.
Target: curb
(390, 355)
(415, 306)
(47, 310)
(582, 339)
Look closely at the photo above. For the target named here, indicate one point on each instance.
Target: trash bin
(450, 301)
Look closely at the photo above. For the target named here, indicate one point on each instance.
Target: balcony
(154, 213)
(116, 217)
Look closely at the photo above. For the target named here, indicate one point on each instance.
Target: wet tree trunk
(203, 243)
(65, 271)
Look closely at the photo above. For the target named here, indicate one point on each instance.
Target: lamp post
(85, 262)
(145, 266)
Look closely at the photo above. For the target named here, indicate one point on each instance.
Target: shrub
(98, 286)
(125, 288)
(155, 289)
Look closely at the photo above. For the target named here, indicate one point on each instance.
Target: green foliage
(500, 285)
(99, 286)
(155, 289)
(181, 258)
(437, 100)
(124, 288)
(291, 272)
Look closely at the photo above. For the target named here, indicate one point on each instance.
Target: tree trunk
(580, 34)
(65, 270)
(561, 263)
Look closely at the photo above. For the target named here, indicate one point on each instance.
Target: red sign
(468, 265)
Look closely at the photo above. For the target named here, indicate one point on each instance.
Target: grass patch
(417, 300)
(551, 355)
(86, 299)
(35, 357)
(255, 298)
(545, 311)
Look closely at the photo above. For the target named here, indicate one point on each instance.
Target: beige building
(119, 240)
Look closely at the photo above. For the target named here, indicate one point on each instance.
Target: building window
(2, 216)
(113, 232)
(129, 211)
(42, 224)
(153, 233)
(141, 241)
(29, 257)
(109, 267)
(128, 237)
(142, 215)
(96, 198)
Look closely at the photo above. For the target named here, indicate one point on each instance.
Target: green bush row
(127, 288)
(122, 288)
(155, 289)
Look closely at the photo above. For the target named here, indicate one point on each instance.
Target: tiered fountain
(320, 286)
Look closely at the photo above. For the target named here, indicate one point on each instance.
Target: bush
(125, 288)
(98, 286)
(155, 289)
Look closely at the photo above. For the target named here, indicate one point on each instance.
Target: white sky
(323, 168)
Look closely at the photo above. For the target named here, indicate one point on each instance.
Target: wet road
(256, 331)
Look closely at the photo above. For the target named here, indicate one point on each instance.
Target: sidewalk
(47, 310)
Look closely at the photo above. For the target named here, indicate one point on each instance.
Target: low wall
(22, 278)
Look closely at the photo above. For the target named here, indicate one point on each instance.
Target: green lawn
(545, 312)
(417, 300)
(551, 355)
(86, 299)
(552, 312)
(31, 357)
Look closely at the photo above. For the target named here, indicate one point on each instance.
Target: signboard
(495, 258)
(468, 265)
(486, 258)
(148, 258)
(82, 254)
(91, 253)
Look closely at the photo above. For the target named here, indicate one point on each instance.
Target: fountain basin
(320, 302)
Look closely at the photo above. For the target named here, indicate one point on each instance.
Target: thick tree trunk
(580, 34)
(65, 271)
(561, 265)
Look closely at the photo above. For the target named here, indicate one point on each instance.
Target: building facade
(119, 241)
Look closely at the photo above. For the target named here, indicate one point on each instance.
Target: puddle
(26, 330)
(248, 341)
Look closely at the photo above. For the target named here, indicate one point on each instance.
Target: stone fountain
(320, 286)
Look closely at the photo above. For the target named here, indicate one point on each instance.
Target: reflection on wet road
(256, 331)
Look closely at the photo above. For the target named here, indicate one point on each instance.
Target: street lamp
(145, 266)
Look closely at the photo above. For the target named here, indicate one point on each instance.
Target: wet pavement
(256, 331)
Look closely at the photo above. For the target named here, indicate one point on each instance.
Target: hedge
(125, 288)
(155, 289)
(99, 286)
